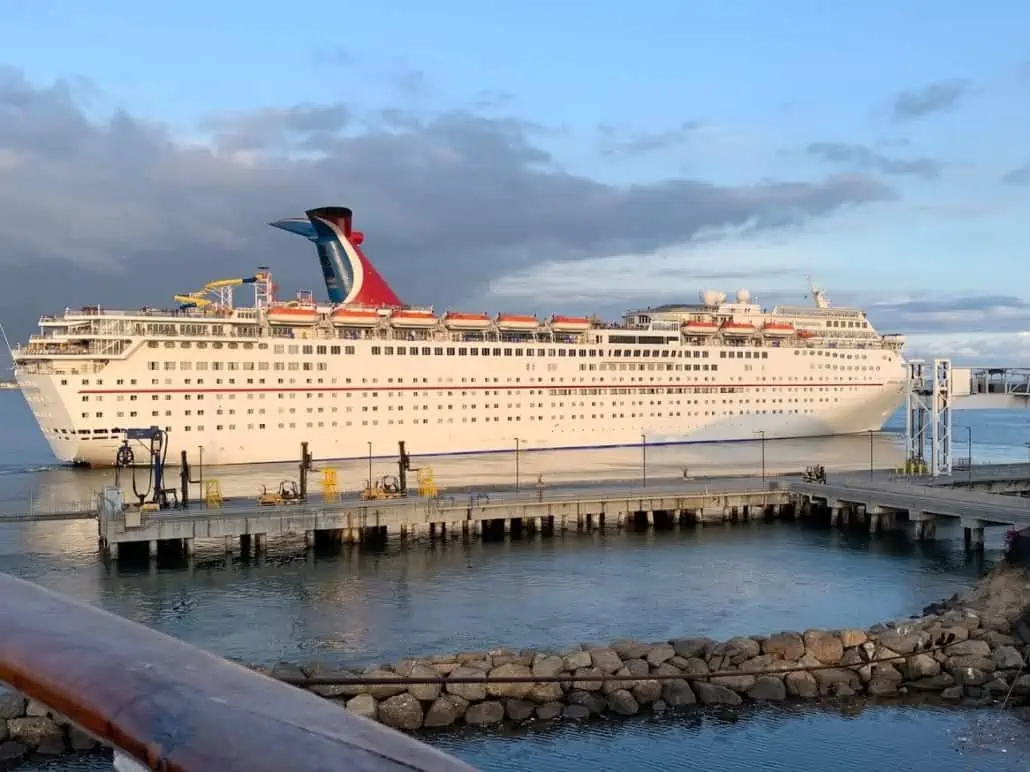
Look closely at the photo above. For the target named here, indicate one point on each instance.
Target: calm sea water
(719, 581)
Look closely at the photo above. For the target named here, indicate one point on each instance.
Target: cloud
(1018, 176)
(126, 212)
(966, 314)
(861, 157)
(917, 103)
(616, 141)
(971, 349)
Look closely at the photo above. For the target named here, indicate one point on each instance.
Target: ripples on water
(360, 607)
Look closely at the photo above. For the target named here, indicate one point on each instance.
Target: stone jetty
(986, 630)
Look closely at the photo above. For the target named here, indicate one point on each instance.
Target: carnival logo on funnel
(350, 277)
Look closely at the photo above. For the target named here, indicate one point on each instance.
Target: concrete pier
(247, 528)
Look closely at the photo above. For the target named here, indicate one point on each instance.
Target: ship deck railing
(160, 703)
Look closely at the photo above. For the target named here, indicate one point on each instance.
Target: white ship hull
(500, 414)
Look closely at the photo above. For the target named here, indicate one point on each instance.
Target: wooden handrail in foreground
(173, 707)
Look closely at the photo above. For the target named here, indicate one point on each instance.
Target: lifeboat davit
(738, 329)
(698, 327)
(570, 323)
(296, 315)
(355, 317)
(455, 320)
(410, 318)
(517, 322)
(778, 329)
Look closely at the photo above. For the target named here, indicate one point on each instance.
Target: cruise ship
(362, 371)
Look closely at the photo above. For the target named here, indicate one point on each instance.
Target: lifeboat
(804, 334)
(454, 320)
(698, 327)
(738, 329)
(413, 318)
(778, 329)
(570, 323)
(296, 315)
(355, 317)
(517, 322)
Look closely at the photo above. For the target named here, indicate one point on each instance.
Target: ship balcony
(160, 703)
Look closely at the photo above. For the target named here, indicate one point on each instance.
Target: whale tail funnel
(350, 277)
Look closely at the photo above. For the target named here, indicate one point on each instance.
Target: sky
(531, 156)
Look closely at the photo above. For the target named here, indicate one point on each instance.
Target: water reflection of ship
(59, 487)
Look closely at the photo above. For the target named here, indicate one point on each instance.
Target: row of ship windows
(495, 406)
(508, 351)
(466, 419)
(495, 392)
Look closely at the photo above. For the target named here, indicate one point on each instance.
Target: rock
(364, 705)
(903, 644)
(824, 646)
(827, 679)
(738, 683)
(336, 690)
(801, 684)
(688, 648)
(1022, 685)
(482, 665)
(470, 692)
(787, 646)
(511, 690)
(637, 668)
(576, 713)
(969, 648)
(665, 669)
(467, 657)
(969, 676)
(933, 683)
(519, 710)
(1007, 658)
(920, 666)
(678, 662)
(713, 694)
(550, 711)
(952, 693)
(542, 693)
(577, 659)
(842, 690)
(966, 663)
(446, 710)
(850, 638)
(587, 686)
(424, 692)
(645, 692)
(592, 701)
(677, 693)
(996, 686)
(696, 666)
(12, 705)
(484, 713)
(402, 711)
(768, 689)
(547, 666)
(35, 732)
(629, 649)
(623, 703)
(741, 649)
(994, 639)
(36, 708)
(284, 671)
(659, 654)
(383, 691)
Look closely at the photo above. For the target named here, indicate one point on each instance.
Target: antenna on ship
(7, 342)
(821, 301)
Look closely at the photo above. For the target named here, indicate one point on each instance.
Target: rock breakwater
(28, 727)
(971, 649)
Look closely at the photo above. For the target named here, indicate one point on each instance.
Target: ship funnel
(350, 277)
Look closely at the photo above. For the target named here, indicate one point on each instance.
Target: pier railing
(166, 705)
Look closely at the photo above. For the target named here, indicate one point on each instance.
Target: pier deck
(354, 520)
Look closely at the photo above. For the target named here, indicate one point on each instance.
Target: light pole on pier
(517, 440)
(643, 459)
(871, 464)
(969, 450)
(761, 434)
(370, 465)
